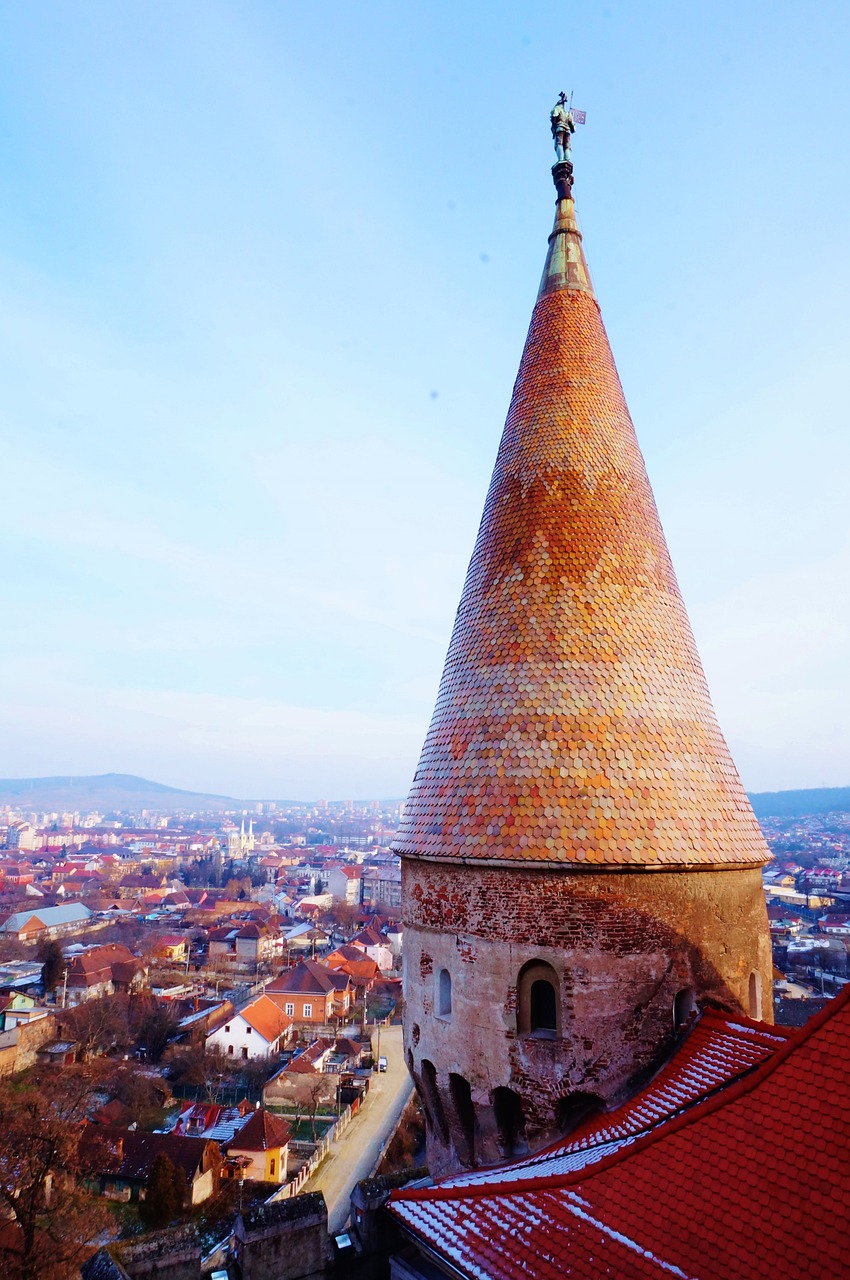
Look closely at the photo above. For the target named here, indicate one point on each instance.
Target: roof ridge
(706, 1105)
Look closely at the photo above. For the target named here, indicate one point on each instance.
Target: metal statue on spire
(563, 126)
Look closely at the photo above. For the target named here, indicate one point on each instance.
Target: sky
(266, 270)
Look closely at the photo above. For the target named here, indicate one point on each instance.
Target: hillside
(105, 792)
(797, 804)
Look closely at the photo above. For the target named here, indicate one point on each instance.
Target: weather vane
(564, 120)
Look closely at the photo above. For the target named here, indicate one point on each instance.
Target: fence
(225, 1096)
(306, 1171)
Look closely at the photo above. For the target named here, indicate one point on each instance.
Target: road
(354, 1157)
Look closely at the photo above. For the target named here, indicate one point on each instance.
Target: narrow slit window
(444, 994)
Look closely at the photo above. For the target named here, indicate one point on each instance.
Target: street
(354, 1157)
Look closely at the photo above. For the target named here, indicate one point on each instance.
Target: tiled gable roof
(752, 1181)
(267, 1019)
(307, 978)
(262, 1132)
(129, 1154)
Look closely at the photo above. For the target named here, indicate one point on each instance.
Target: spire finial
(564, 120)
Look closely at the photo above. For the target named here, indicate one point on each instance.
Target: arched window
(510, 1121)
(464, 1134)
(444, 994)
(684, 1006)
(755, 996)
(573, 1108)
(433, 1099)
(539, 1001)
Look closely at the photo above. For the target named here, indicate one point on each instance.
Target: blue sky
(265, 275)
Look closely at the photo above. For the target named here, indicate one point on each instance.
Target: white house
(377, 948)
(344, 883)
(260, 1030)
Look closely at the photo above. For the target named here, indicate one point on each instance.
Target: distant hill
(799, 804)
(104, 792)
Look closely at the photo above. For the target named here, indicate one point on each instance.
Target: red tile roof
(753, 1180)
(263, 1132)
(307, 978)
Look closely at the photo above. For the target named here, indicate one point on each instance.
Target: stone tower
(581, 867)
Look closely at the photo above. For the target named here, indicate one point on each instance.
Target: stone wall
(18, 1047)
(622, 947)
(285, 1240)
(163, 1255)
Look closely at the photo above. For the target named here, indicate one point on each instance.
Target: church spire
(573, 723)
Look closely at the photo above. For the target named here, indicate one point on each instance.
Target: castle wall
(623, 946)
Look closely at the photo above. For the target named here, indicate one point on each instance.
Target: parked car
(382, 1064)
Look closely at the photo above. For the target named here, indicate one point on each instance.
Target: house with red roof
(103, 971)
(376, 947)
(836, 923)
(310, 993)
(360, 967)
(259, 1149)
(260, 1030)
(344, 883)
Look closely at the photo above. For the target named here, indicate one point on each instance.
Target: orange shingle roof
(266, 1018)
(573, 722)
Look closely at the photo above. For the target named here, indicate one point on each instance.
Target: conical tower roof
(573, 723)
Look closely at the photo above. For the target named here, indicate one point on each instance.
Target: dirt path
(355, 1155)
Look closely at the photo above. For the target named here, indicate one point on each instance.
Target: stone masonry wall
(622, 946)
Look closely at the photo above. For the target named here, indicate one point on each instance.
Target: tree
(345, 915)
(155, 1029)
(144, 1095)
(99, 1025)
(165, 1186)
(52, 965)
(51, 1222)
(307, 1091)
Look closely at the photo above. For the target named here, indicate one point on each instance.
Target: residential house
(835, 924)
(376, 946)
(172, 946)
(306, 937)
(102, 971)
(299, 1084)
(46, 922)
(209, 1120)
(259, 1030)
(245, 946)
(315, 1058)
(360, 967)
(259, 1150)
(16, 1007)
(344, 883)
(381, 887)
(312, 994)
(120, 1161)
(136, 886)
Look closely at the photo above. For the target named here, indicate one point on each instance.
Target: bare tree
(51, 1221)
(99, 1025)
